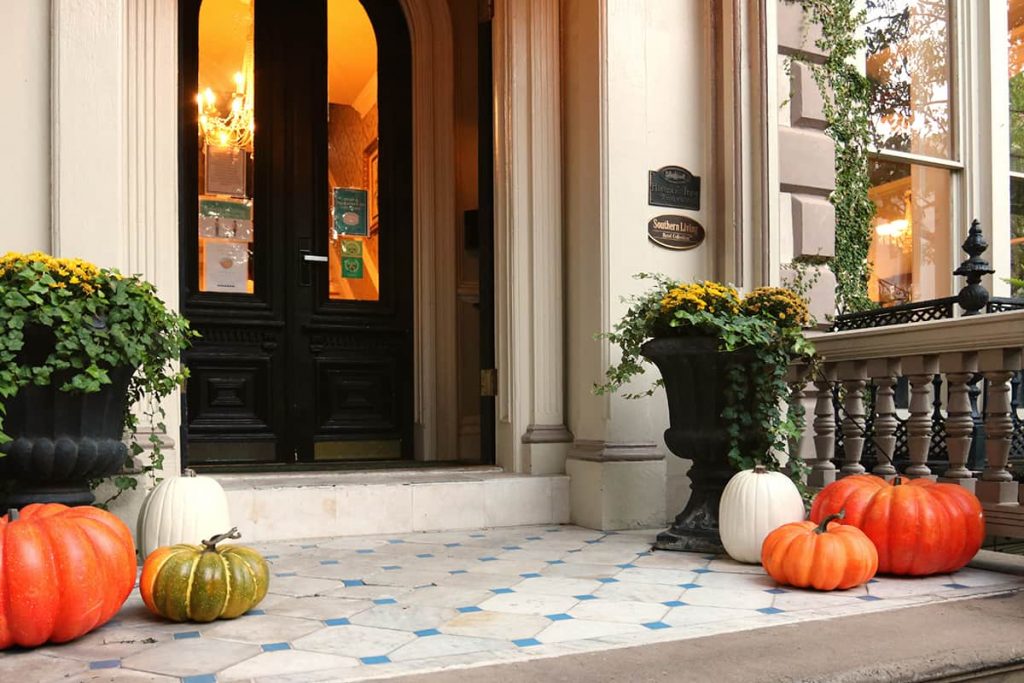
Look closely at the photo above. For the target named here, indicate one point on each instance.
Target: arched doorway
(296, 231)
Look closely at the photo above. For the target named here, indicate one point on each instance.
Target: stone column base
(545, 448)
(968, 483)
(999, 492)
(616, 486)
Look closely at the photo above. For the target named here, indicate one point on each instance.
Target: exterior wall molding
(436, 384)
(529, 307)
(605, 451)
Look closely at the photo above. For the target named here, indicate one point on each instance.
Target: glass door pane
(226, 130)
(352, 129)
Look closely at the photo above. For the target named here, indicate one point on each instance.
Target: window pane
(352, 153)
(908, 65)
(1015, 36)
(226, 127)
(911, 241)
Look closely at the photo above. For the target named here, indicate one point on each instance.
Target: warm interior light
(896, 228)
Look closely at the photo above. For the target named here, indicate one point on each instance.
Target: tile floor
(365, 607)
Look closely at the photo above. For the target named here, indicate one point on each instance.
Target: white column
(532, 436)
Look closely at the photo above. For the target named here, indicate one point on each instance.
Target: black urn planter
(694, 372)
(61, 440)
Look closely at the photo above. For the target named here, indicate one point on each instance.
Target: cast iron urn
(60, 440)
(694, 373)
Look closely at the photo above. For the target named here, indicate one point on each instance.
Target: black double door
(310, 360)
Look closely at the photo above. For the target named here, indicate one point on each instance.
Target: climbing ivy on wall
(847, 96)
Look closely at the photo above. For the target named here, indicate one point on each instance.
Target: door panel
(312, 363)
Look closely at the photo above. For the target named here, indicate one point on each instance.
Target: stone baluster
(884, 372)
(958, 369)
(998, 366)
(823, 472)
(796, 377)
(921, 370)
(853, 375)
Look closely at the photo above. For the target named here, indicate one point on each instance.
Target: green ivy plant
(766, 326)
(846, 93)
(100, 320)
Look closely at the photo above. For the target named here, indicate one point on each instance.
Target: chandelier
(897, 232)
(234, 128)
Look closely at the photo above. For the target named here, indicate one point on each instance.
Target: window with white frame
(915, 168)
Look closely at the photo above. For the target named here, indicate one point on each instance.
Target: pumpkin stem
(12, 515)
(212, 543)
(189, 472)
(823, 527)
(760, 469)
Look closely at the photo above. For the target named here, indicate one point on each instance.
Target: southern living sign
(675, 232)
(674, 187)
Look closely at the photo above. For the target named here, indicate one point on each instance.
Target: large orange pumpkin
(826, 556)
(919, 527)
(63, 572)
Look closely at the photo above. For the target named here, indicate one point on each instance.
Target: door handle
(313, 258)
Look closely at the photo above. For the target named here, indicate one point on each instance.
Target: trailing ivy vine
(846, 93)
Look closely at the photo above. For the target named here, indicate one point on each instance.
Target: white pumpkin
(183, 509)
(755, 503)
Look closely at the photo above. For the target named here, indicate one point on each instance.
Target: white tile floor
(352, 608)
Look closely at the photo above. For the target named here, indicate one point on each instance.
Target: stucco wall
(25, 126)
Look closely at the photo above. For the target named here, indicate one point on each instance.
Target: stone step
(272, 507)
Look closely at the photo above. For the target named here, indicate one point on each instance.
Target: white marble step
(271, 507)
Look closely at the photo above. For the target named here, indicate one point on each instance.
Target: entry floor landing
(355, 608)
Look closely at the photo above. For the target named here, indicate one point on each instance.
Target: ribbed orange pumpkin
(919, 527)
(826, 556)
(63, 572)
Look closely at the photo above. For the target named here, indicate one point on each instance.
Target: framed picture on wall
(370, 154)
(225, 170)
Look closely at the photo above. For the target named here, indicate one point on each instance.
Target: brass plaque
(675, 232)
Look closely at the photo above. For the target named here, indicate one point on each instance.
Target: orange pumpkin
(918, 527)
(825, 556)
(63, 572)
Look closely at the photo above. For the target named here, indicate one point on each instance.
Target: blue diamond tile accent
(689, 585)
(275, 647)
(577, 550)
(487, 558)
(775, 591)
(674, 603)
(202, 678)
(326, 562)
(710, 557)
(593, 542)
(365, 551)
(656, 625)
(868, 598)
(561, 616)
(285, 574)
(182, 635)
(105, 664)
(533, 538)
(379, 659)
(872, 580)
(585, 597)
(340, 621)
(771, 610)
(427, 632)
(385, 601)
(467, 610)
(553, 531)
(703, 571)
(502, 591)
(526, 642)
(308, 546)
(424, 556)
(511, 547)
(628, 565)
(608, 580)
(390, 567)
(955, 585)
(478, 535)
(349, 583)
(555, 561)
(254, 613)
(530, 575)
(394, 541)
(271, 557)
(458, 571)
(452, 545)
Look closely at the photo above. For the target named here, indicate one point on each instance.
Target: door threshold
(336, 466)
(408, 476)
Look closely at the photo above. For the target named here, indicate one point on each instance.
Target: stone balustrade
(959, 373)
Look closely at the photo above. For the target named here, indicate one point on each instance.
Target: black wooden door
(312, 366)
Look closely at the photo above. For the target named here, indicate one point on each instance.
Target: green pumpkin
(204, 582)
